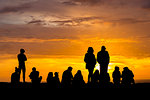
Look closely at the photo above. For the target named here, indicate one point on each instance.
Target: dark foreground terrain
(6, 85)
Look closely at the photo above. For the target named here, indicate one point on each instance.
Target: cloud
(85, 21)
(14, 9)
(83, 2)
(38, 22)
(29, 40)
(37, 32)
(146, 5)
(129, 21)
(110, 3)
(75, 21)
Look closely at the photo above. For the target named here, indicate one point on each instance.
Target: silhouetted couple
(69, 81)
(53, 82)
(102, 58)
(127, 77)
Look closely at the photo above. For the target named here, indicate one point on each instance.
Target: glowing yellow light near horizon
(98, 66)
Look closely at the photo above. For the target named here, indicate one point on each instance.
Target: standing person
(90, 61)
(103, 59)
(22, 58)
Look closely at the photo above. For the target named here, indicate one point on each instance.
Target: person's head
(16, 69)
(33, 69)
(126, 68)
(50, 74)
(22, 51)
(103, 48)
(56, 74)
(79, 72)
(70, 69)
(96, 72)
(90, 50)
(117, 68)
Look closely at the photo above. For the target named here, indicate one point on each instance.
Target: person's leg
(102, 74)
(106, 68)
(24, 71)
(102, 70)
(19, 72)
(90, 75)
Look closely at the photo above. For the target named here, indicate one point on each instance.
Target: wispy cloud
(87, 21)
(75, 21)
(29, 40)
(146, 5)
(83, 2)
(15, 8)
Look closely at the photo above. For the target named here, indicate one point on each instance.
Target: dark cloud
(38, 22)
(83, 2)
(146, 5)
(75, 21)
(36, 32)
(79, 21)
(111, 3)
(12, 9)
(130, 21)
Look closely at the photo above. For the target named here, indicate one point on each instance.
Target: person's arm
(30, 76)
(18, 57)
(108, 57)
(25, 58)
(113, 74)
(98, 57)
(94, 60)
(85, 58)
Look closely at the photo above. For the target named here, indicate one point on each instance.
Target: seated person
(15, 77)
(34, 76)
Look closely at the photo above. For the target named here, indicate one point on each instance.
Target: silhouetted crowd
(126, 79)
(97, 79)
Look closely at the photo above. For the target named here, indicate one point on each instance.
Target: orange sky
(57, 33)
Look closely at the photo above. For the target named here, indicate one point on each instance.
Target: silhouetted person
(50, 80)
(116, 76)
(127, 77)
(22, 58)
(35, 79)
(78, 81)
(90, 61)
(103, 59)
(15, 77)
(56, 80)
(105, 80)
(67, 78)
(95, 77)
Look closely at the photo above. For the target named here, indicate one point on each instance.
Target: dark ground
(7, 85)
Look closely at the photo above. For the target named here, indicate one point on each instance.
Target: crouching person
(35, 79)
(15, 78)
